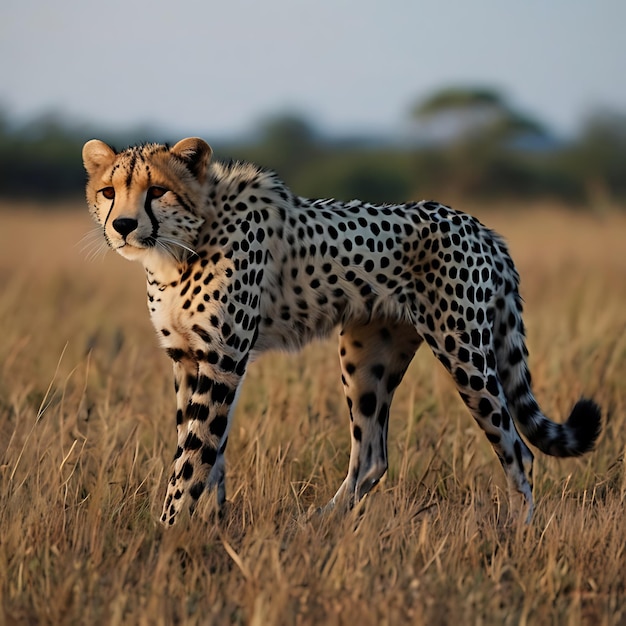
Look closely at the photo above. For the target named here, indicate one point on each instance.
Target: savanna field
(87, 433)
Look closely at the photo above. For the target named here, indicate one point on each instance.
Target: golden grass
(87, 433)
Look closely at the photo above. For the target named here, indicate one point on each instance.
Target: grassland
(87, 433)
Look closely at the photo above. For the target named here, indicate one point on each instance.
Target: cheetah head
(148, 199)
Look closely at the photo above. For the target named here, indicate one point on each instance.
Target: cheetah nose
(124, 225)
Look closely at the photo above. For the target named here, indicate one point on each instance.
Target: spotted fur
(236, 264)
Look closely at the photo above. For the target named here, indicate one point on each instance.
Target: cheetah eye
(108, 193)
(156, 192)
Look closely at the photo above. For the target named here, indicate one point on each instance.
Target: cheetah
(237, 264)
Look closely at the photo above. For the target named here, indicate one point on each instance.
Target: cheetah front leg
(185, 381)
(374, 358)
(203, 422)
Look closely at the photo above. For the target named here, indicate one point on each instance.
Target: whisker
(89, 237)
(99, 250)
(92, 244)
(177, 243)
(166, 248)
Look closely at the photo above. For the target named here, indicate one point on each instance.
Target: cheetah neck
(162, 269)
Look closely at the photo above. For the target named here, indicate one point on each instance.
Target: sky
(216, 69)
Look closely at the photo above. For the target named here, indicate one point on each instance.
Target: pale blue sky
(215, 68)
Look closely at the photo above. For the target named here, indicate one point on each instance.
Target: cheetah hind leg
(473, 370)
(374, 358)
(217, 479)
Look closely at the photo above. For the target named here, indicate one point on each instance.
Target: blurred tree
(288, 143)
(475, 114)
(40, 159)
(469, 137)
(598, 157)
(374, 175)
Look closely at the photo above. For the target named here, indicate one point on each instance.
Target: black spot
(241, 366)
(393, 381)
(187, 471)
(209, 454)
(218, 425)
(430, 323)
(460, 376)
(515, 356)
(526, 411)
(192, 442)
(478, 361)
(367, 404)
(445, 361)
(176, 354)
(195, 491)
(204, 384)
(227, 364)
(464, 355)
(385, 334)
(486, 337)
(378, 371)
(356, 433)
(476, 383)
(203, 334)
(492, 385)
(485, 407)
(220, 392)
(198, 412)
(430, 340)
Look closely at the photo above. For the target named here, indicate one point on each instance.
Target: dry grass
(87, 432)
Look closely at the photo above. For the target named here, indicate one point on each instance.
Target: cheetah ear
(97, 154)
(196, 154)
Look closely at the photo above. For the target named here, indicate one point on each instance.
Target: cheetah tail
(572, 438)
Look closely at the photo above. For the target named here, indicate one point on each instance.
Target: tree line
(461, 142)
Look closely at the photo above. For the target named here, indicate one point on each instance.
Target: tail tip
(585, 423)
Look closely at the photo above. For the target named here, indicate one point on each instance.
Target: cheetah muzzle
(236, 264)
